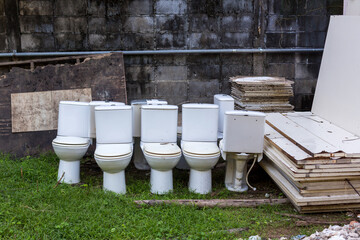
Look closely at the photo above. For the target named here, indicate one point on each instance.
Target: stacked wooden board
(265, 94)
(315, 163)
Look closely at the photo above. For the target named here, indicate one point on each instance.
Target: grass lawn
(31, 207)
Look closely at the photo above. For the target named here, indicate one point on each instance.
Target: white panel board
(352, 7)
(337, 95)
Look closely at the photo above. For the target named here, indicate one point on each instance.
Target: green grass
(31, 207)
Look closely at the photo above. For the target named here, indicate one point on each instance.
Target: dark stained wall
(82, 25)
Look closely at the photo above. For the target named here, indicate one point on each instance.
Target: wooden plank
(337, 95)
(44, 60)
(296, 198)
(327, 192)
(302, 137)
(318, 168)
(329, 208)
(331, 166)
(300, 157)
(329, 185)
(285, 145)
(222, 203)
(342, 139)
(261, 80)
(324, 161)
(296, 173)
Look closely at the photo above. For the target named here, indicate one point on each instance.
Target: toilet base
(138, 156)
(235, 175)
(200, 181)
(115, 182)
(69, 172)
(161, 181)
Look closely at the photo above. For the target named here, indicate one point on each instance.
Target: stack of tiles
(315, 163)
(265, 94)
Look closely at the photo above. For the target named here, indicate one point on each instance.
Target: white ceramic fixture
(72, 140)
(94, 104)
(114, 146)
(243, 140)
(158, 143)
(199, 143)
(138, 157)
(225, 103)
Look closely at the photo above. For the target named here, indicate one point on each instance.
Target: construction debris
(315, 163)
(350, 232)
(265, 94)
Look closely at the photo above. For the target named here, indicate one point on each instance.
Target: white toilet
(158, 143)
(94, 104)
(114, 146)
(138, 157)
(72, 140)
(225, 103)
(199, 143)
(243, 140)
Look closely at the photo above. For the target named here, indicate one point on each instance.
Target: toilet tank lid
(245, 113)
(223, 97)
(148, 102)
(200, 105)
(159, 107)
(97, 103)
(116, 107)
(74, 103)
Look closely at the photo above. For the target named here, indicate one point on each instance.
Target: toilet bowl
(201, 157)
(158, 144)
(199, 144)
(114, 146)
(113, 159)
(138, 157)
(162, 158)
(243, 140)
(72, 140)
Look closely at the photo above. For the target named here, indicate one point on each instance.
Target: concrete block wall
(85, 25)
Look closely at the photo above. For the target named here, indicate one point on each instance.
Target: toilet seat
(113, 151)
(161, 149)
(201, 149)
(71, 141)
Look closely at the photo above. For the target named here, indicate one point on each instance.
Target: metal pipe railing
(159, 52)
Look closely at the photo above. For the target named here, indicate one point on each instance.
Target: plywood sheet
(292, 193)
(336, 136)
(38, 111)
(352, 7)
(337, 97)
(302, 137)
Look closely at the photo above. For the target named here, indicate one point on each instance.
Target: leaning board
(337, 97)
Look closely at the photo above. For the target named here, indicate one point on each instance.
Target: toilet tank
(136, 112)
(74, 119)
(200, 122)
(94, 104)
(113, 124)
(159, 123)
(225, 103)
(244, 132)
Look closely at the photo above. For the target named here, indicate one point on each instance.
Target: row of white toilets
(116, 125)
